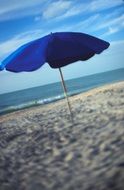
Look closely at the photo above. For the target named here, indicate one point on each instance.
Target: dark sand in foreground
(42, 149)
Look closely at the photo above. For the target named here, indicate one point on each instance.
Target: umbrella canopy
(57, 49)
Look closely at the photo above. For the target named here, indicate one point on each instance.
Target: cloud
(111, 30)
(64, 9)
(17, 9)
(49, 9)
(7, 6)
(56, 8)
(74, 9)
(82, 26)
(104, 4)
(12, 44)
(85, 24)
(112, 25)
(111, 22)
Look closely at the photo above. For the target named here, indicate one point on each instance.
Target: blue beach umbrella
(57, 49)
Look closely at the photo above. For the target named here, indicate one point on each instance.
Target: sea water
(52, 92)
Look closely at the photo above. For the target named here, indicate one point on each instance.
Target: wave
(33, 103)
(8, 109)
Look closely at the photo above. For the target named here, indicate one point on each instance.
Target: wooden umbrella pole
(65, 91)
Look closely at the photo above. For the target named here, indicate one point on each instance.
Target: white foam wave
(30, 104)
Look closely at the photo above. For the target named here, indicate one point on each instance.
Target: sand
(41, 148)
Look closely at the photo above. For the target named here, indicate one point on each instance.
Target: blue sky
(26, 20)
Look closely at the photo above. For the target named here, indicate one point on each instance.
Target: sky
(26, 20)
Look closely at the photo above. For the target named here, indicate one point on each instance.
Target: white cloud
(104, 4)
(7, 6)
(64, 9)
(82, 26)
(88, 22)
(111, 22)
(12, 44)
(111, 30)
(16, 9)
(50, 9)
(56, 8)
(112, 25)
(75, 9)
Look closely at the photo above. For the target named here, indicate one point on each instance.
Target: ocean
(52, 92)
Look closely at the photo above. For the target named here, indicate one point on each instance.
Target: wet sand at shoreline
(42, 148)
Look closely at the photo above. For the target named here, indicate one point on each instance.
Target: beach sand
(41, 148)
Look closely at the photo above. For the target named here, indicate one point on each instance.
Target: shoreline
(71, 98)
(23, 106)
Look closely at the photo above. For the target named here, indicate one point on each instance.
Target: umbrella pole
(65, 91)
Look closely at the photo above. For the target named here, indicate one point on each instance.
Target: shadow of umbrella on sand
(57, 49)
